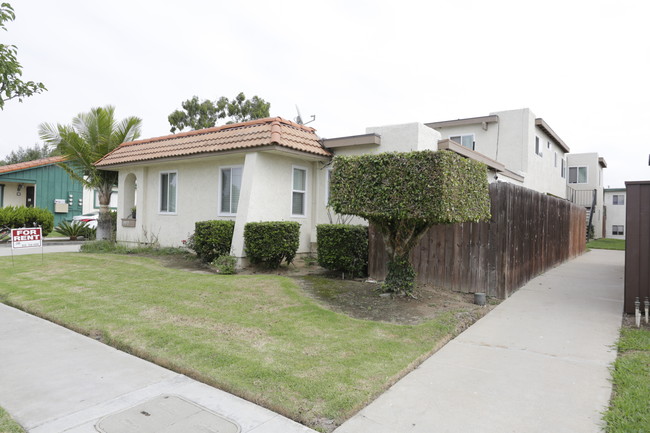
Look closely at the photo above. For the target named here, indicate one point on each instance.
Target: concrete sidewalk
(54, 380)
(537, 363)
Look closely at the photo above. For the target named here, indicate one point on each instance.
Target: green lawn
(7, 424)
(607, 244)
(257, 336)
(629, 409)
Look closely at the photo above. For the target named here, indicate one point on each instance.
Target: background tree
(205, 114)
(90, 137)
(403, 194)
(28, 154)
(11, 86)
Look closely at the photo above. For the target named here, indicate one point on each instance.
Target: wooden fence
(529, 232)
(637, 248)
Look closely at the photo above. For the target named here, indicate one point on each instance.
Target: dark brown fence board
(528, 233)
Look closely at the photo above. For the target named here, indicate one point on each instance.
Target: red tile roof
(31, 164)
(273, 131)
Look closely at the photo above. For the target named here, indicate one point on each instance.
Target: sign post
(26, 238)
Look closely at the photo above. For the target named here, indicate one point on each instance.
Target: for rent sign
(26, 238)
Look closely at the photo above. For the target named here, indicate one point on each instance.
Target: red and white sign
(26, 237)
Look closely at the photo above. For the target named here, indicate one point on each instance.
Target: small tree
(205, 114)
(11, 86)
(403, 194)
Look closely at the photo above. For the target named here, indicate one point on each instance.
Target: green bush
(225, 265)
(211, 239)
(21, 216)
(343, 248)
(272, 242)
(74, 229)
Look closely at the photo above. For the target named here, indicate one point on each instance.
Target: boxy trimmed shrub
(212, 239)
(343, 248)
(271, 242)
(21, 216)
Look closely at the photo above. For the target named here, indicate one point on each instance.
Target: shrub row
(343, 248)
(21, 216)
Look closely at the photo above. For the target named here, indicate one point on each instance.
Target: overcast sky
(583, 66)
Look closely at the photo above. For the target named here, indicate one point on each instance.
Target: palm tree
(91, 136)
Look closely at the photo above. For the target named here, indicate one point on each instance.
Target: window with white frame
(618, 199)
(2, 194)
(466, 140)
(577, 174)
(563, 169)
(328, 179)
(298, 191)
(555, 159)
(548, 145)
(538, 146)
(168, 188)
(230, 189)
(618, 230)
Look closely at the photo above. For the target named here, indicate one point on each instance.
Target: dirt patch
(364, 300)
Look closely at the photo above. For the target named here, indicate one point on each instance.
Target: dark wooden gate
(529, 232)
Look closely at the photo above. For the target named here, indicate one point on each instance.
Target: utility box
(60, 206)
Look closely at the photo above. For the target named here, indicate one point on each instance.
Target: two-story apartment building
(585, 186)
(614, 221)
(523, 143)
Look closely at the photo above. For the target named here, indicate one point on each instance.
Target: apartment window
(563, 169)
(538, 147)
(618, 230)
(299, 191)
(466, 140)
(555, 159)
(577, 174)
(548, 145)
(230, 189)
(618, 199)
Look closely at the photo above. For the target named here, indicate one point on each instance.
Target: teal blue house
(41, 183)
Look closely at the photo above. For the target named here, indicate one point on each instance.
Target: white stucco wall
(266, 193)
(615, 212)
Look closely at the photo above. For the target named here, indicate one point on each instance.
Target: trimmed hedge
(212, 239)
(437, 187)
(271, 242)
(343, 248)
(20, 216)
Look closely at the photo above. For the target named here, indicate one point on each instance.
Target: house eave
(352, 140)
(451, 145)
(267, 148)
(461, 122)
(541, 124)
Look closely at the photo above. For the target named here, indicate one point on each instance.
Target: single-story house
(263, 170)
(42, 183)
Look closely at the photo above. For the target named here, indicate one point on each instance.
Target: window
(618, 230)
(298, 191)
(466, 140)
(563, 169)
(618, 199)
(548, 144)
(328, 179)
(2, 194)
(577, 174)
(230, 189)
(538, 147)
(555, 159)
(168, 192)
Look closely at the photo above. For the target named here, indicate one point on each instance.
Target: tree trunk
(104, 222)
